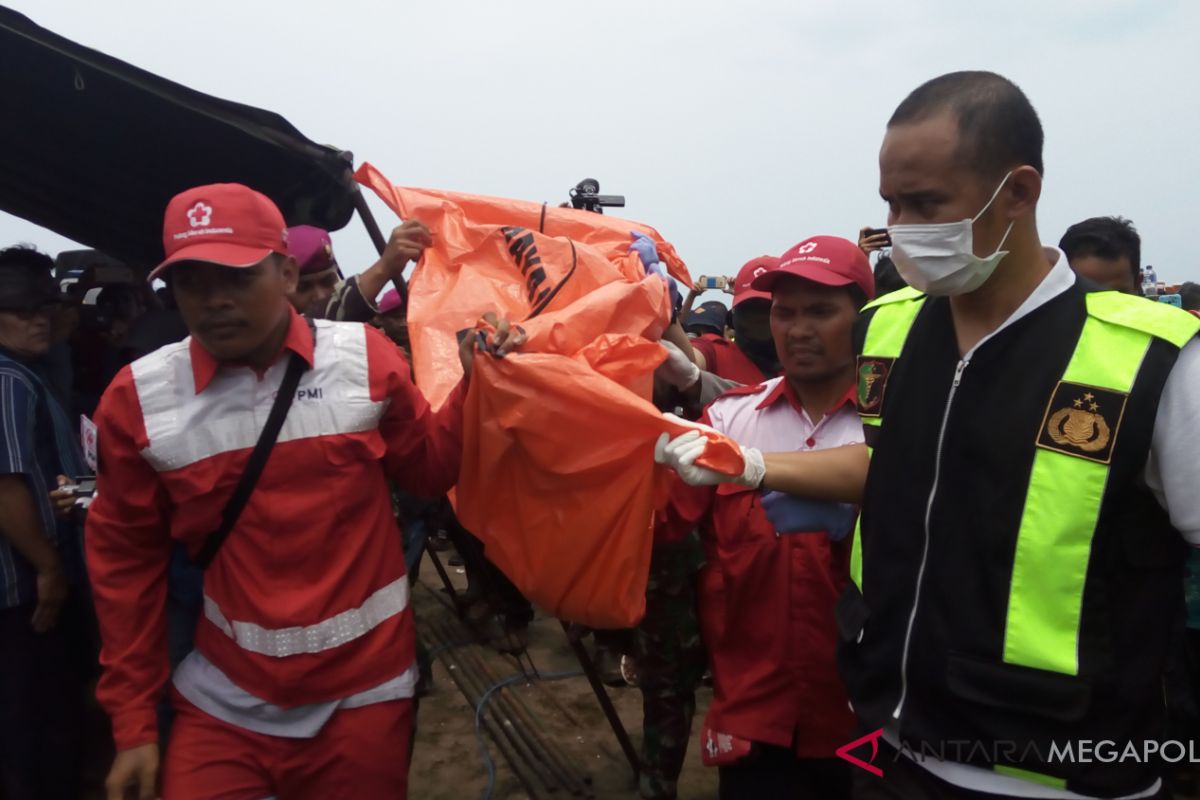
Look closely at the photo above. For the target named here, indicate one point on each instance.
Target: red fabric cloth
(766, 607)
(361, 752)
(783, 392)
(726, 360)
(317, 537)
(204, 366)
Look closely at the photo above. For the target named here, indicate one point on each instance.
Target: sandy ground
(447, 762)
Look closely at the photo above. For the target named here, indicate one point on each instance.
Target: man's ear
(289, 270)
(1024, 189)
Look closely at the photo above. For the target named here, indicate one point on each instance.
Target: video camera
(586, 196)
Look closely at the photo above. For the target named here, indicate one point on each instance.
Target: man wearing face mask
(750, 358)
(1030, 450)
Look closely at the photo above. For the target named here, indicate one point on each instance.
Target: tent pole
(368, 219)
(377, 238)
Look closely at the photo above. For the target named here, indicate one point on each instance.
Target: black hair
(1106, 237)
(887, 277)
(857, 295)
(23, 255)
(1189, 296)
(998, 127)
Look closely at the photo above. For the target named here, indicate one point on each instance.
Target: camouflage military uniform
(671, 662)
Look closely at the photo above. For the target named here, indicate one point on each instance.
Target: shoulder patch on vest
(871, 378)
(1082, 421)
(1157, 319)
(898, 296)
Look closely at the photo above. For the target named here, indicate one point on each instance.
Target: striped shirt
(26, 448)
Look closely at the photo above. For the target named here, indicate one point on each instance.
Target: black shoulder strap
(258, 458)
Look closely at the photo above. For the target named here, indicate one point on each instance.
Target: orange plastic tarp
(513, 256)
(558, 478)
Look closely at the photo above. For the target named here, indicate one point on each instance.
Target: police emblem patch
(1082, 421)
(872, 377)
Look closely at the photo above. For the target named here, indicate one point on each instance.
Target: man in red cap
(750, 358)
(302, 677)
(321, 293)
(777, 564)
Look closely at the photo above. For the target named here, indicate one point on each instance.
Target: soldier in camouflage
(671, 662)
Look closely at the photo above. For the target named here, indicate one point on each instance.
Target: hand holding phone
(879, 233)
(872, 239)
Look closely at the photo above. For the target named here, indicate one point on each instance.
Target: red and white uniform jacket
(767, 600)
(307, 601)
(726, 360)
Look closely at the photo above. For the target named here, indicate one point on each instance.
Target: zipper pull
(958, 371)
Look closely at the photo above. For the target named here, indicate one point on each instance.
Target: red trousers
(360, 753)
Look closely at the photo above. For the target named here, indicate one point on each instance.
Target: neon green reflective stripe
(1062, 506)
(1156, 319)
(900, 295)
(856, 544)
(885, 339)
(1026, 775)
(856, 554)
(890, 325)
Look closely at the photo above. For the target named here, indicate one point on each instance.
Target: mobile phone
(85, 486)
(879, 232)
(713, 283)
(1171, 299)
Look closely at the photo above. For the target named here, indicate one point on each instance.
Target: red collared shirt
(204, 366)
(726, 360)
(307, 600)
(767, 600)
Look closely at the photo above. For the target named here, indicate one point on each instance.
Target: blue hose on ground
(509, 681)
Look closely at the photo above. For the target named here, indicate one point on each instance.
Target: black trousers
(775, 773)
(903, 779)
(486, 577)
(42, 692)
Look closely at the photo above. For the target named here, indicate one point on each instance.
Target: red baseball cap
(223, 223)
(829, 260)
(743, 288)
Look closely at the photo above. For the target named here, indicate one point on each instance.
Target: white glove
(678, 370)
(680, 454)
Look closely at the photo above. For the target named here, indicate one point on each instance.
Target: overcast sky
(735, 129)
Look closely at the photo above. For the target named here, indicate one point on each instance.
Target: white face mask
(940, 259)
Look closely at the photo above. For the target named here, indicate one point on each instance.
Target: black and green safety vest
(1014, 581)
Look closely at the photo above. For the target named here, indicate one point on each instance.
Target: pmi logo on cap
(199, 219)
(199, 215)
(806, 248)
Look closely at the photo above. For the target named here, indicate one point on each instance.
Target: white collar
(1060, 278)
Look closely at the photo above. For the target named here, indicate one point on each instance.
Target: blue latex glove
(676, 297)
(791, 514)
(643, 245)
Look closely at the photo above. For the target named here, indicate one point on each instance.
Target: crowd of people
(960, 536)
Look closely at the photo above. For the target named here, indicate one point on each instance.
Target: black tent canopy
(93, 148)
